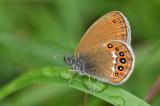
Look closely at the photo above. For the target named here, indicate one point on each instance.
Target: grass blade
(112, 94)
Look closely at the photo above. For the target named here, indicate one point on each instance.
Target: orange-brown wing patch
(111, 26)
(98, 62)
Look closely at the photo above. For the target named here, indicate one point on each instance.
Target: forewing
(112, 26)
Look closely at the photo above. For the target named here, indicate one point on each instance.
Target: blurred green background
(38, 33)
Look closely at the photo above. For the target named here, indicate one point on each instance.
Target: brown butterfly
(104, 52)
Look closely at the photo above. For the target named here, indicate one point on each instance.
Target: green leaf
(60, 75)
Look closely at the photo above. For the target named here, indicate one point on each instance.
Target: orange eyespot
(121, 53)
(110, 45)
(120, 68)
(117, 49)
(114, 21)
(122, 60)
(116, 74)
(117, 77)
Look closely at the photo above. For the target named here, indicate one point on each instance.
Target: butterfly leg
(71, 74)
(91, 85)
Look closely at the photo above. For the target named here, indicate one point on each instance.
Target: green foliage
(36, 34)
(59, 75)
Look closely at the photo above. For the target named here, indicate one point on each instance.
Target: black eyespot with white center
(117, 49)
(110, 45)
(116, 74)
(114, 21)
(123, 60)
(120, 68)
(121, 53)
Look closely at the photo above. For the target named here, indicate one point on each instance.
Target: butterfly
(105, 52)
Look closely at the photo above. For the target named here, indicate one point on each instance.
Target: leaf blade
(112, 94)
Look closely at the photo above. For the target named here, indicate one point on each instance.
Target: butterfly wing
(112, 26)
(112, 64)
(104, 52)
